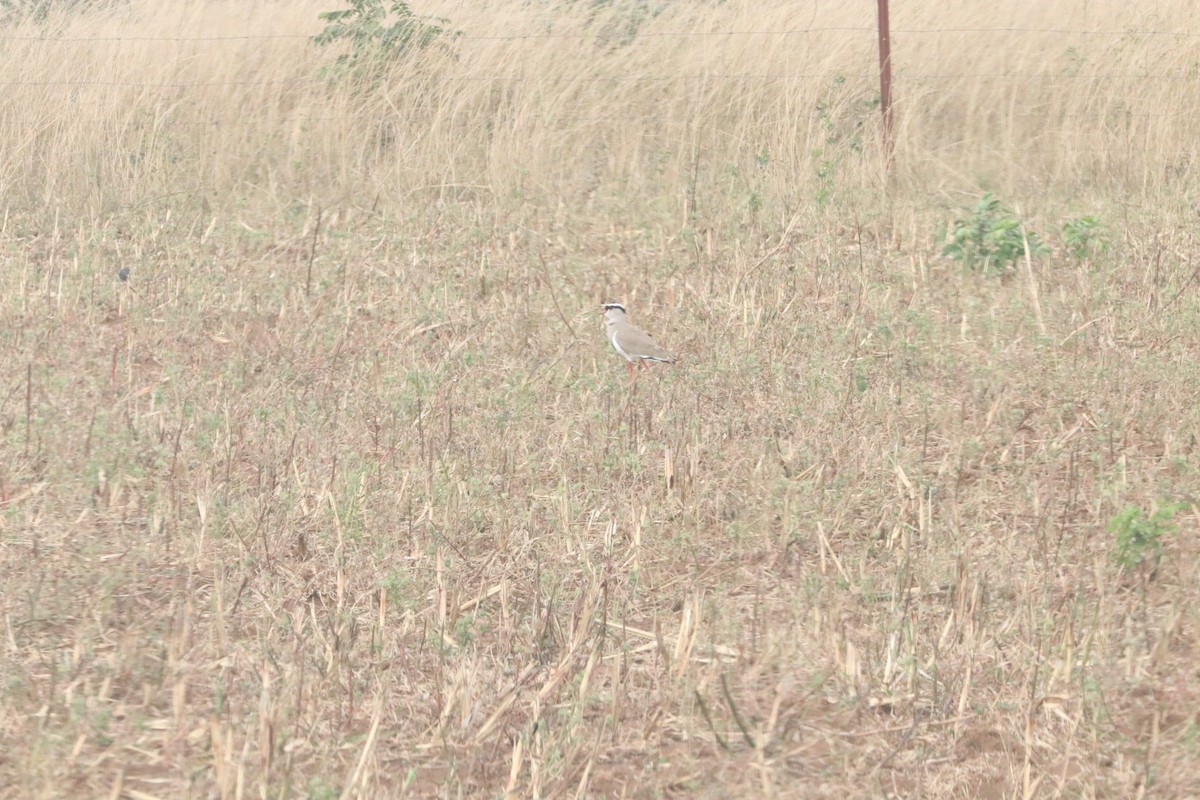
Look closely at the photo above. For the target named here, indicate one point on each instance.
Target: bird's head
(613, 311)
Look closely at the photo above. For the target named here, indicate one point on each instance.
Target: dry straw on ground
(341, 495)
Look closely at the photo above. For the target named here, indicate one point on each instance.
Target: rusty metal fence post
(885, 83)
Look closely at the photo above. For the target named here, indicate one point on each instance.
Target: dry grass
(341, 494)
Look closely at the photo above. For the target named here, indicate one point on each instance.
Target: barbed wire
(419, 115)
(461, 37)
(900, 75)
(608, 35)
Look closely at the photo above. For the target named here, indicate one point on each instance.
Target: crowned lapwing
(630, 341)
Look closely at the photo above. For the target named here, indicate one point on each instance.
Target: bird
(631, 341)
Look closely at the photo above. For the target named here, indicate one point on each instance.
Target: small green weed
(14, 12)
(842, 123)
(621, 27)
(1085, 236)
(1139, 537)
(991, 239)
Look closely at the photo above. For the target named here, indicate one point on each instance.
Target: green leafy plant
(379, 35)
(622, 20)
(13, 12)
(1139, 537)
(841, 120)
(991, 239)
(1084, 236)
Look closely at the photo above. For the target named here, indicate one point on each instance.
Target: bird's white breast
(613, 340)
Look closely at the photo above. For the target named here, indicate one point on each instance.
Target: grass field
(343, 494)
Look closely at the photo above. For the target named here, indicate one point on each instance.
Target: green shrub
(379, 36)
(991, 239)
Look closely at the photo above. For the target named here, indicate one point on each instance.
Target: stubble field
(342, 493)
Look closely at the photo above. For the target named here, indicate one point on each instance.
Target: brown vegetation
(342, 494)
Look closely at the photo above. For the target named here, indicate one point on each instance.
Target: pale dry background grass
(366, 509)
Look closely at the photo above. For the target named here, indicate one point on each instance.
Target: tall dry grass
(340, 493)
(149, 104)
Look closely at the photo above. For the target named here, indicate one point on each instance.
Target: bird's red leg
(630, 363)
